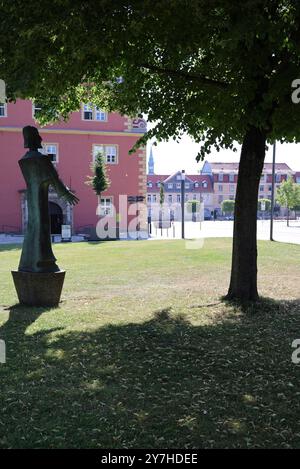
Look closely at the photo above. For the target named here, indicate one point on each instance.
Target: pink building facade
(72, 146)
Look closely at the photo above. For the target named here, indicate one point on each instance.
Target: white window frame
(87, 108)
(101, 114)
(178, 185)
(221, 177)
(104, 210)
(149, 184)
(102, 147)
(170, 198)
(46, 152)
(187, 185)
(170, 185)
(204, 184)
(35, 108)
(98, 115)
(4, 107)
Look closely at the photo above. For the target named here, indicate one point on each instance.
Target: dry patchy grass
(142, 352)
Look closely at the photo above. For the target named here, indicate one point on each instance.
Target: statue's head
(32, 138)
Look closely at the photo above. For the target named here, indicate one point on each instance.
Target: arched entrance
(60, 212)
(56, 218)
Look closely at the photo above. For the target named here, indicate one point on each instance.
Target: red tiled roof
(154, 178)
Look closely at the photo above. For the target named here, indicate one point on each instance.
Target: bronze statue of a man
(39, 173)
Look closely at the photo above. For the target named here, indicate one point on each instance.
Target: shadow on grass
(163, 383)
(263, 306)
(21, 317)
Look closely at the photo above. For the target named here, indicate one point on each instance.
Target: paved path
(18, 239)
(224, 229)
(208, 229)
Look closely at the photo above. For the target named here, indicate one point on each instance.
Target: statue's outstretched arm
(60, 188)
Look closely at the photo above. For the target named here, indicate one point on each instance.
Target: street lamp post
(200, 206)
(273, 193)
(182, 201)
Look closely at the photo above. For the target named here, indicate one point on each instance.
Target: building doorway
(56, 218)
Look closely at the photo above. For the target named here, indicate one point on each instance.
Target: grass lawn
(143, 354)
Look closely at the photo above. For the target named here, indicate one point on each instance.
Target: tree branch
(187, 76)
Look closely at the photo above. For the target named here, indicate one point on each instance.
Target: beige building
(225, 175)
(216, 182)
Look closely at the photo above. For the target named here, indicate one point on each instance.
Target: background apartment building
(216, 182)
(196, 187)
(224, 176)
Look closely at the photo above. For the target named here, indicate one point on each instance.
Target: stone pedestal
(39, 289)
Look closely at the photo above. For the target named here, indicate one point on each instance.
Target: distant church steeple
(151, 163)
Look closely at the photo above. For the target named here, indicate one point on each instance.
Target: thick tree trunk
(243, 284)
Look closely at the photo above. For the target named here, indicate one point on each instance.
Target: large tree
(218, 70)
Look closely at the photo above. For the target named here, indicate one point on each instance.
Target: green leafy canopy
(161, 193)
(228, 206)
(288, 194)
(267, 204)
(207, 68)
